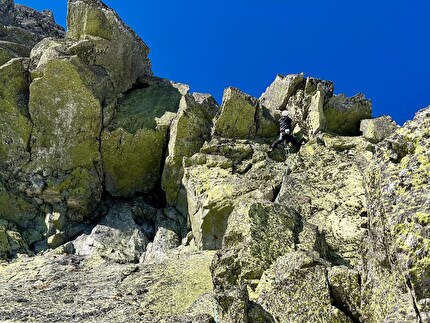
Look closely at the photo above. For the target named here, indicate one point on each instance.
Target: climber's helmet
(284, 113)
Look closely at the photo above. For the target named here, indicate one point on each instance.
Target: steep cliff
(123, 197)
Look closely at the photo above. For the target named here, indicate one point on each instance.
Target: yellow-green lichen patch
(96, 24)
(14, 208)
(413, 249)
(4, 56)
(139, 109)
(132, 163)
(15, 126)
(66, 118)
(173, 286)
(80, 188)
(237, 115)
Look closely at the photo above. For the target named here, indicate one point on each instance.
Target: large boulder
(224, 173)
(134, 141)
(377, 129)
(326, 188)
(299, 291)
(256, 235)
(237, 116)
(316, 94)
(65, 143)
(343, 115)
(104, 40)
(280, 91)
(189, 130)
(116, 238)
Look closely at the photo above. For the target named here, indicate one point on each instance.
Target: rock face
(123, 197)
(21, 28)
(105, 41)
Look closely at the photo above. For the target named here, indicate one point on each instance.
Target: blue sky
(380, 48)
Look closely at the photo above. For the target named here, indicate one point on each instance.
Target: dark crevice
(276, 191)
(137, 86)
(414, 301)
(339, 305)
(258, 107)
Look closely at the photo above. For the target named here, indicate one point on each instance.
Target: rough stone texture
(237, 116)
(11, 241)
(248, 251)
(65, 140)
(214, 184)
(189, 130)
(336, 232)
(316, 119)
(396, 256)
(108, 42)
(117, 238)
(21, 28)
(84, 290)
(135, 137)
(377, 129)
(345, 289)
(326, 188)
(15, 121)
(282, 88)
(132, 162)
(343, 115)
(299, 291)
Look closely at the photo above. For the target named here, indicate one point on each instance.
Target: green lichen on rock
(97, 24)
(4, 56)
(65, 138)
(261, 232)
(139, 109)
(120, 51)
(237, 115)
(216, 182)
(300, 291)
(132, 163)
(397, 266)
(189, 130)
(377, 129)
(143, 152)
(80, 190)
(343, 115)
(11, 241)
(173, 287)
(345, 288)
(66, 118)
(84, 21)
(15, 126)
(279, 92)
(16, 209)
(326, 188)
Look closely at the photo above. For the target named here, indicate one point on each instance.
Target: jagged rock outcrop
(103, 40)
(144, 202)
(189, 130)
(22, 27)
(396, 251)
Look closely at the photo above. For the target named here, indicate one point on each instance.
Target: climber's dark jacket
(285, 133)
(284, 123)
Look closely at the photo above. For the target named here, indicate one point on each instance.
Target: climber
(285, 132)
